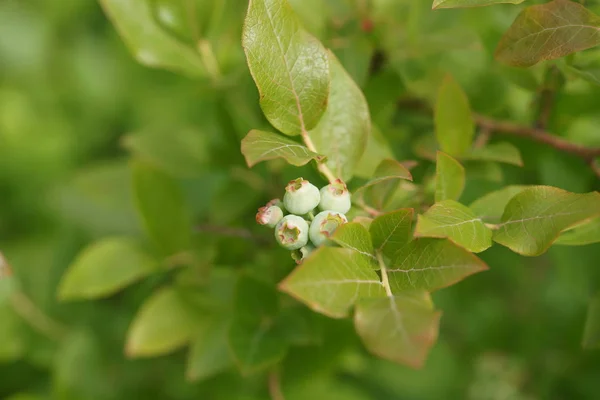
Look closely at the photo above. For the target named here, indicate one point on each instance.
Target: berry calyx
(324, 226)
(301, 254)
(335, 197)
(301, 196)
(269, 215)
(292, 232)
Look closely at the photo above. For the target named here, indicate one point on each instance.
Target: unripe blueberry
(292, 232)
(301, 196)
(335, 197)
(324, 225)
(269, 215)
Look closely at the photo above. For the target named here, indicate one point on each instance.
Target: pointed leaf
(209, 351)
(548, 31)
(332, 279)
(384, 182)
(161, 206)
(163, 324)
(391, 231)
(586, 233)
(589, 73)
(438, 4)
(431, 264)
(289, 66)
(355, 237)
(259, 146)
(342, 133)
(491, 206)
(591, 332)
(534, 218)
(452, 220)
(454, 125)
(146, 39)
(401, 329)
(501, 152)
(104, 268)
(449, 178)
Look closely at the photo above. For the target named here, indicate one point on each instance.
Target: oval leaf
(342, 133)
(289, 66)
(332, 279)
(437, 4)
(534, 218)
(388, 170)
(391, 231)
(501, 152)
(452, 220)
(548, 31)
(104, 268)
(259, 146)
(586, 233)
(454, 125)
(491, 206)
(449, 178)
(431, 264)
(400, 329)
(354, 236)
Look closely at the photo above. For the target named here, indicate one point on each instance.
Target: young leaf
(163, 324)
(332, 279)
(454, 125)
(548, 31)
(401, 329)
(449, 178)
(501, 152)
(161, 206)
(534, 218)
(377, 150)
(209, 352)
(586, 233)
(452, 220)
(254, 338)
(491, 206)
(259, 146)
(289, 66)
(591, 332)
(149, 43)
(392, 231)
(431, 264)
(104, 268)
(342, 133)
(438, 4)
(386, 174)
(589, 73)
(355, 237)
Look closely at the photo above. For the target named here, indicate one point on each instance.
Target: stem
(36, 318)
(209, 59)
(322, 167)
(311, 215)
(384, 275)
(275, 386)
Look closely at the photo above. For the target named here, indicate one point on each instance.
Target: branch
(322, 167)
(275, 386)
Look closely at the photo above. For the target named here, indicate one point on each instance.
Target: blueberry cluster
(294, 230)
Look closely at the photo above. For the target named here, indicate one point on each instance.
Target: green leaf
(387, 173)
(431, 264)
(438, 4)
(454, 125)
(163, 324)
(209, 352)
(449, 178)
(184, 153)
(161, 206)
(401, 329)
(534, 218)
(355, 237)
(589, 73)
(148, 42)
(332, 279)
(342, 133)
(377, 150)
(501, 152)
(259, 146)
(591, 332)
(391, 231)
(491, 206)
(289, 66)
(548, 31)
(586, 233)
(255, 340)
(104, 268)
(452, 220)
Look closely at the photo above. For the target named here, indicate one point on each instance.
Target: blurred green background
(71, 96)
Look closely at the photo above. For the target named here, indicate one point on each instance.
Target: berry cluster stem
(322, 167)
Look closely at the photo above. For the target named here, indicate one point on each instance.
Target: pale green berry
(301, 197)
(292, 232)
(269, 215)
(301, 254)
(324, 225)
(335, 197)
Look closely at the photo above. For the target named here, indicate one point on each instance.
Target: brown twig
(274, 383)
